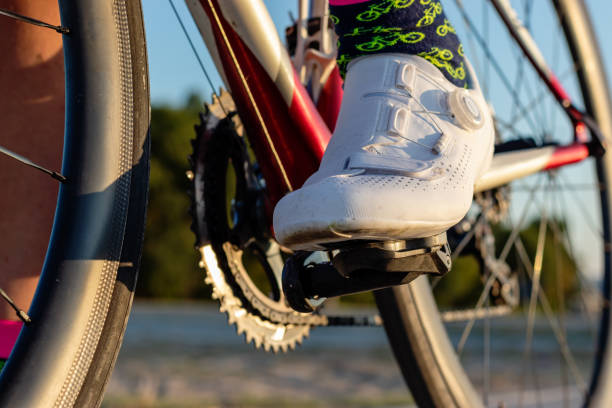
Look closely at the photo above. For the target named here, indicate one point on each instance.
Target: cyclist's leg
(422, 24)
(32, 108)
(410, 140)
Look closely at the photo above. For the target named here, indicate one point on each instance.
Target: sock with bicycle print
(416, 27)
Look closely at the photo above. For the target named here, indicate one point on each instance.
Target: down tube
(281, 122)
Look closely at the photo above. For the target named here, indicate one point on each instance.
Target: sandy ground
(185, 355)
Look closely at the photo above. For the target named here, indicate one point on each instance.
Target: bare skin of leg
(32, 112)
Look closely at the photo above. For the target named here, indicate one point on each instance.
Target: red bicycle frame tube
(291, 135)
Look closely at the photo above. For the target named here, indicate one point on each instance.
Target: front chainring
(221, 239)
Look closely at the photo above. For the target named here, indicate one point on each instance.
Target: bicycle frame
(287, 131)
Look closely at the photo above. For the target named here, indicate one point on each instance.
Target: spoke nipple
(23, 316)
(59, 177)
(189, 174)
(62, 30)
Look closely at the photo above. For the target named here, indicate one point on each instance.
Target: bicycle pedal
(429, 255)
(361, 266)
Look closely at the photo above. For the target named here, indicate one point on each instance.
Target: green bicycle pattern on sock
(417, 27)
(442, 58)
(434, 10)
(378, 43)
(446, 28)
(343, 61)
(374, 30)
(375, 11)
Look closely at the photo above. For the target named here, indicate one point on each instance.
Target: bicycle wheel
(64, 357)
(433, 347)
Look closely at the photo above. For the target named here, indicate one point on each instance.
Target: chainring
(265, 321)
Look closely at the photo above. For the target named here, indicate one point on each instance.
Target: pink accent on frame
(345, 2)
(564, 155)
(9, 330)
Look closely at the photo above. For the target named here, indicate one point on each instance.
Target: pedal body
(363, 266)
(429, 255)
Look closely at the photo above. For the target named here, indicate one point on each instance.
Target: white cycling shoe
(402, 162)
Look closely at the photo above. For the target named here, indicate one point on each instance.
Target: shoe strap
(393, 165)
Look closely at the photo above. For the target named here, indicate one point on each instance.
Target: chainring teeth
(265, 328)
(261, 333)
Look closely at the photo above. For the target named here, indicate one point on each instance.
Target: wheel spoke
(486, 364)
(528, 7)
(30, 20)
(537, 100)
(459, 249)
(535, 285)
(197, 56)
(559, 187)
(517, 228)
(478, 309)
(496, 66)
(486, 36)
(23, 316)
(479, 305)
(555, 63)
(557, 326)
(560, 285)
(548, 312)
(521, 79)
(507, 126)
(535, 289)
(30, 163)
(466, 239)
(581, 276)
(487, 287)
(584, 212)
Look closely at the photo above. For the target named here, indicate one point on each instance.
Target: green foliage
(558, 279)
(169, 265)
(461, 287)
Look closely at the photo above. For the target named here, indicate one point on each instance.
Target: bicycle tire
(411, 318)
(65, 356)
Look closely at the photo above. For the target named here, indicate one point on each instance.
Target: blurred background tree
(170, 263)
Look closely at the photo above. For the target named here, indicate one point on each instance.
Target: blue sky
(174, 71)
